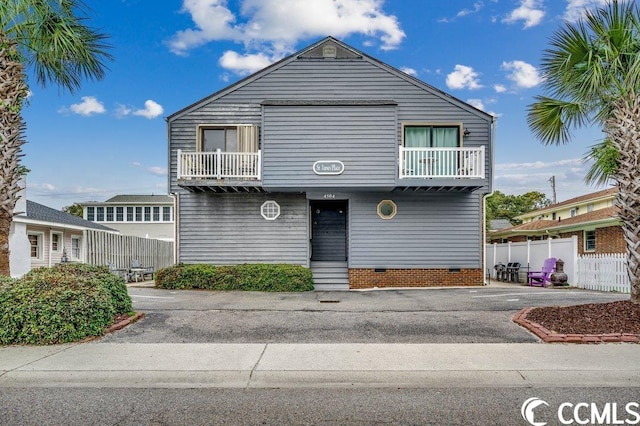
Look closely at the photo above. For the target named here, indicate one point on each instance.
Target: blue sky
(110, 137)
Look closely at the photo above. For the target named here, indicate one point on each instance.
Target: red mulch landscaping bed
(593, 318)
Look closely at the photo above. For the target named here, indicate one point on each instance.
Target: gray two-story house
(334, 160)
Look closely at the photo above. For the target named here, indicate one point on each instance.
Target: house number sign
(328, 167)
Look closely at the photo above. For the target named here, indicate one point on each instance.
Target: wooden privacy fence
(604, 272)
(103, 247)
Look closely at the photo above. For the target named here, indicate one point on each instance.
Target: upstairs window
(431, 136)
(228, 138)
(166, 214)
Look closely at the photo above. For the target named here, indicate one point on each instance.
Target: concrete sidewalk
(258, 365)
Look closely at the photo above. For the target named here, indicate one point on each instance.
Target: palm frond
(604, 163)
(56, 42)
(552, 120)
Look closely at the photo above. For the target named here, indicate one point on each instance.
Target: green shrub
(62, 304)
(247, 277)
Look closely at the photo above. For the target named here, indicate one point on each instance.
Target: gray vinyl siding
(430, 230)
(353, 80)
(228, 229)
(362, 137)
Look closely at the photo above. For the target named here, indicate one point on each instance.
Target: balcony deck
(420, 169)
(220, 171)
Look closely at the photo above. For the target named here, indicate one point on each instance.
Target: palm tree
(592, 75)
(49, 36)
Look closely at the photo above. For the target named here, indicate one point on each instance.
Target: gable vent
(329, 51)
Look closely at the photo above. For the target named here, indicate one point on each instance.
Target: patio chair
(121, 272)
(139, 271)
(499, 268)
(513, 269)
(541, 278)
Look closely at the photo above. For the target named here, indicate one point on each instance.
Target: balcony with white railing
(211, 170)
(442, 163)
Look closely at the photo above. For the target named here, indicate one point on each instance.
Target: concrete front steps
(330, 276)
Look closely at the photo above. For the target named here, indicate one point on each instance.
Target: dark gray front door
(329, 231)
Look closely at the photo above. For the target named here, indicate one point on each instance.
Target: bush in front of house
(246, 277)
(61, 304)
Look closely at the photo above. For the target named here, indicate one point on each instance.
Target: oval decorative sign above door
(328, 167)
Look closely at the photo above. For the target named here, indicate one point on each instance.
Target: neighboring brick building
(592, 218)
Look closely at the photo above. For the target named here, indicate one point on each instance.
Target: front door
(329, 231)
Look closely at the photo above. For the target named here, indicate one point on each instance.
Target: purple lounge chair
(540, 278)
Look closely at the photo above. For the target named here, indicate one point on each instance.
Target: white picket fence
(603, 272)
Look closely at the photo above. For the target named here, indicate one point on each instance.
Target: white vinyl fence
(103, 247)
(604, 272)
(532, 254)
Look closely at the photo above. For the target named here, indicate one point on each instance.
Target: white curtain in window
(248, 138)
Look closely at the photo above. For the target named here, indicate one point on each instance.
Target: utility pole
(553, 188)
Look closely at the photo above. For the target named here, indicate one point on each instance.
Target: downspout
(484, 204)
(176, 227)
(50, 246)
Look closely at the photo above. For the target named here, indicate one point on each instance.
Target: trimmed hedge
(61, 304)
(247, 277)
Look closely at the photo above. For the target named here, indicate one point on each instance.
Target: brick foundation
(369, 278)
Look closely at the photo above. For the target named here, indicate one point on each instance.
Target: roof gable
(318, 51)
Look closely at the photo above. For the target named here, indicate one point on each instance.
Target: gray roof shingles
(42, 213)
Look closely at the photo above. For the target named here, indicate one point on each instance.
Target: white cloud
(477, 6)
(477, 103)
(157, 170)
(274, 27)
(523, 74)
(529, 11)
(499, 88)
(89, 105)
(409, 71)
(244, 64)
(41, 187)
(572, 162)
(151, 110)
(213, 22)
(463, 77)
(480, 104)
(518, 178)
(576, 8)
(122, 111)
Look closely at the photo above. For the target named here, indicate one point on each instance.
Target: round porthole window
(270, 210)
(387, 209)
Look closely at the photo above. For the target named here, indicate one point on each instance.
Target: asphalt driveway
(451, 315)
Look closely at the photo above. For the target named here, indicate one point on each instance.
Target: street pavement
(323, 343)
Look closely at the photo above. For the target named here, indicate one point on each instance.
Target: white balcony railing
(420, 163)
(219, 165)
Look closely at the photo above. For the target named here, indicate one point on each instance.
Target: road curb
(549, 336)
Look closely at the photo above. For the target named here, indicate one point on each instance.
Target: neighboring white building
(42, 236)
(147, 216)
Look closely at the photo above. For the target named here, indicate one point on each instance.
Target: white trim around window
(36, 241)
(56, 241)
(76, 248)
(435, 124)
(270, 210)
(589, 240)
